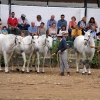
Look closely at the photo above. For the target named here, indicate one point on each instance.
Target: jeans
(23, 27)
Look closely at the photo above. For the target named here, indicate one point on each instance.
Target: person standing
(63, 55)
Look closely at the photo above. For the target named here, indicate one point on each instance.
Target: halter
(87, 40)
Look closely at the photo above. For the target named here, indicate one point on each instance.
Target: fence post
(47, 2)
(85, 6)
(9, 3)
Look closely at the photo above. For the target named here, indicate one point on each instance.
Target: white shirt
(37, 23)
(62, 32)
(20, 21)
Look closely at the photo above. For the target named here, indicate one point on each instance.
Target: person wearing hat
(63, 55)
(23, 22)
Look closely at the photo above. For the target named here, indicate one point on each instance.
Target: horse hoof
(83, 73)
(1, 70)
(12, 70)
(35, 70)
(22, 72)
(31, 70)
(89, 73)
(6, 72)
(77, 71)
(17, 69)
(38, 72)
(28, 72)
(42, 72)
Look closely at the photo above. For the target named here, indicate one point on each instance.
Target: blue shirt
(93, 33)
(49, 23)
(61, 23)
(32, 29)
(4, 32)
(62, 46)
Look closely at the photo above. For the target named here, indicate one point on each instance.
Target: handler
(63, 55)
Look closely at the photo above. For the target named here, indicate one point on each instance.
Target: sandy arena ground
(50, 86)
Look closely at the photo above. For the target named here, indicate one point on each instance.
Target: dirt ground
(50, 85)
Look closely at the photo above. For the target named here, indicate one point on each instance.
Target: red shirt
(12, 21)
(72, 24)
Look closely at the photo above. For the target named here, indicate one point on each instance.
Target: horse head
(35, 42)
(48, 42)
(18, 40)
(87, 37)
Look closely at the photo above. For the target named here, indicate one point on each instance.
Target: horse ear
(46, 35)
(37, 37)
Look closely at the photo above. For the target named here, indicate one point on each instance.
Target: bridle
(87, 40)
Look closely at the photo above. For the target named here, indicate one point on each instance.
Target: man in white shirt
(23, 22)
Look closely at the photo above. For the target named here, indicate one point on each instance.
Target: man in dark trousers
(63, 55)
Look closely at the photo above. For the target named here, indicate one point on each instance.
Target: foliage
(95, 58)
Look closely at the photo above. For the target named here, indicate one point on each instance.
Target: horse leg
(24, 58)
(89, 70)
(6, 62)
(77, 61)
(32, 60)
(38, 61)
(29, 62)
(84, 63)
(0, 64)
(43, 64)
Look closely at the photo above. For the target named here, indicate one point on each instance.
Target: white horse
(45, 44)
(29, 44)
(82, 46)
(7, 46)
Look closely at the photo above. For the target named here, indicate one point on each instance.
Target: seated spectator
(38, 21)
(82, 25)
(32, 30)
(50, 21)
(72, 24)
(91, 23)
(76, 32)
(93, 32)
(23, 22)
(41, 29)
(61, 22)
(53, 31)
(98, 36)
(4, 30)
(0, 24)
(12, 24)
(23, 34)
(64, 32)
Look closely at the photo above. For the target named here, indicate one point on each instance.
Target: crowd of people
(53, 27)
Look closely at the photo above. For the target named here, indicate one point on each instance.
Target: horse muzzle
(50, 48)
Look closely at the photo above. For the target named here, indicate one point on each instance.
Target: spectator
(50, 21)
(72, 24)
(38, 21)
(0, 25)
(53, 31)
(4, 30)
(91, 23)
(61, 22)
(76, 32)
(32, 29)
(41, 29)
(23, 34)
(64, 32)
(23, 22)
(82, 25)
(98, 36)
(12, 24)
(62, 55)
(93, 32)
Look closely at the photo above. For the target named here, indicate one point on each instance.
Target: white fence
(32, 11)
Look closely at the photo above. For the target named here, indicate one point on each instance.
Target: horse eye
(33, 42)
(47, 41)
